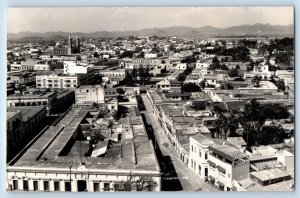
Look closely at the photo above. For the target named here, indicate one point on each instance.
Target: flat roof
(202, 139)
(11, 113)
(26, 111)
(270, 174)
(229, 152)
(251, 185)
(58, 147)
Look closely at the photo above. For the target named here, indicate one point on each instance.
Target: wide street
(189, 180)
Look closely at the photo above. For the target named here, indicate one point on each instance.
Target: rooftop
(58, 147)
(270, 174)
(26, 111)
(228, 152)
(250, 185)
(202, 139)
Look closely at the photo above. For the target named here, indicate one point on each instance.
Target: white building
(58, 81)
(74, 67)
(261, 71)
(57, 160)
(200, 65)
(181, 66)
(150, 55)
(198, 154)
(89, 94)
(226, 164)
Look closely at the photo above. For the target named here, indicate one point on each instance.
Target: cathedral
(73, 47)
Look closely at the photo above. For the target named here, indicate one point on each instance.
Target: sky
(90, 19)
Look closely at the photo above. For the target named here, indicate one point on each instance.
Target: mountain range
(257, 29)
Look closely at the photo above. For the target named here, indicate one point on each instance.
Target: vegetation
(182, 76)
(190, 87)
(239, 53)
(233, 73)
(217, 65)
(199, 105)
(253, 120)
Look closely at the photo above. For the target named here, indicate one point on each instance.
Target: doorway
(81, 184)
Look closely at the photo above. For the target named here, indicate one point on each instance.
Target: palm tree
(222, 126)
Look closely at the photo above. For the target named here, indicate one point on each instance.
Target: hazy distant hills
(179, 31)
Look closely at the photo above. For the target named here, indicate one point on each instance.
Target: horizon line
(149, 28)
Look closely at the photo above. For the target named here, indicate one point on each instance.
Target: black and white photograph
(114, 99)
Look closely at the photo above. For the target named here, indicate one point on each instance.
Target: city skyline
(121, 19)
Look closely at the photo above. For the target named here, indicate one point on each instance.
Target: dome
(57, 44)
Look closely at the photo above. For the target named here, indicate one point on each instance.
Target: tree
(190, 87)
(281, 85)
(275, 111)
(199, 105)
(181, 77)
(222, 126)
(233, 73)
(202, 84)
(120, 91)
(96, 55)
(271, 135)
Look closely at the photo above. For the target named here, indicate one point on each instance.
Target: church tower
(70, 45)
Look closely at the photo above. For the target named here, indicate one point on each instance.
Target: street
(189, 180)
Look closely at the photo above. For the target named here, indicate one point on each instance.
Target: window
(67, 186)
(106, 186)
(96, 187)
(46, 185)
(35, 185)
(15, 184)
(127, 187)
(205, 155)
(117, 187)
(56, 186)
(199, 153)
(25, 185)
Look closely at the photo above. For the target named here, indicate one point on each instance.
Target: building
(60, 81)
(201, 65)
(60, 159)
(21, 78)
(75, 67)
(181, 66)
(226, 164)
(54, 101)
(113, 73)
(89, 94)
(260, 71)
(286, 75)
(23, 123)
(74, 45)
(150, 55)
(198, 154)
(169, 85)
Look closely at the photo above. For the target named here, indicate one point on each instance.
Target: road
(189, 180)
